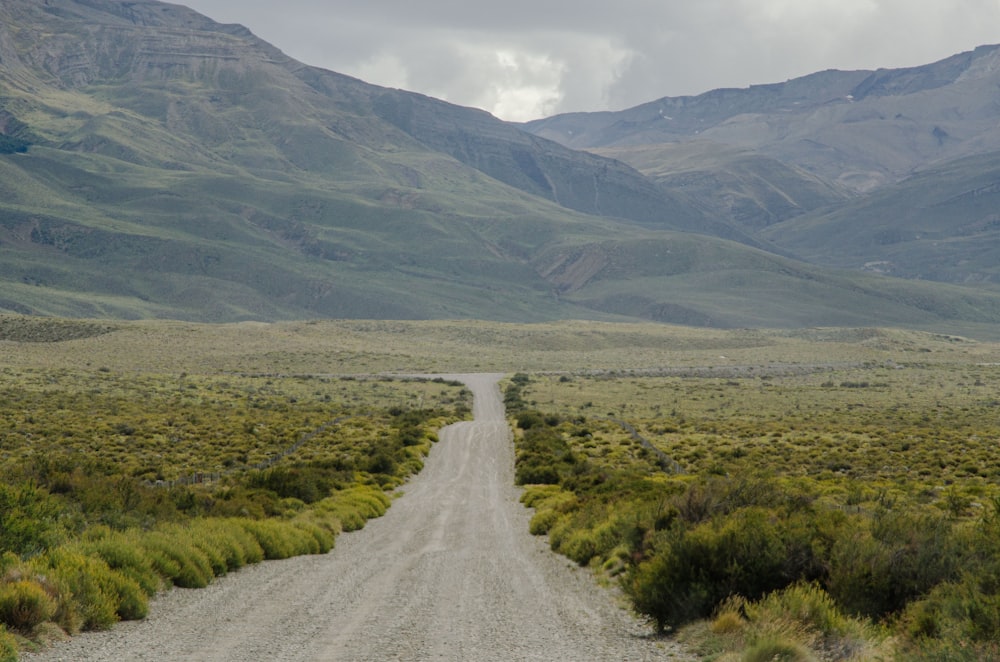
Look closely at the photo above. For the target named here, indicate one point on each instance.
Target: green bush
(534, 495)
(897, 558)
(122, 552)
(24, 605)
(281, 540)
(323, 538)
(133, 602)
(8, 646)
(121, 572)
(741, 554)
(213, 552)
(543, 521)
(232, 545)
(543, 455)
(956, 612)
(776, 648)
(307, 483)
(805, 603)
(88, 591)
(28, 519)
(354, 506)
(349, 517)
(177, 558)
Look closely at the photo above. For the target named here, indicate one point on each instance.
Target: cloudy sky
(524, 59)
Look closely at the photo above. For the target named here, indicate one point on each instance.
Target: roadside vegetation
(115, 485)
(842, 478)
(826, 513)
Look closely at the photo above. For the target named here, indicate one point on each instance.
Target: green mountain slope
(752, 190)
(942, 224)
(158, 164)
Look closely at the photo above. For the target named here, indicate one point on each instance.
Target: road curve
(449, 573)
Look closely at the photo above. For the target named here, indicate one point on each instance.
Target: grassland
(122, 473)
(826, 510)
(641, 443)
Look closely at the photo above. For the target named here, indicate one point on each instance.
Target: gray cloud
(522, 59)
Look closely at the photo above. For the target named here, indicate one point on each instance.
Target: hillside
(753, 191)
(889, 171)
(155, 163)
(941, 224)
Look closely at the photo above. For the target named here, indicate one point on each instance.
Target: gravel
(449, 573)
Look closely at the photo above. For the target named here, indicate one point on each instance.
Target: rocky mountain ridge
(857, 130)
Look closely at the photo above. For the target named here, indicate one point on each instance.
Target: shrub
(133, 602)
(28, 519)
(87, 589)
(901, 556)
(24, 605)
(534, 495)
(354, 506)
(742, 554)
(177, 559)
(530, 419)
(231, 542)
(811, 616)
(349, 517)
(543, 457)
(122, 573)
(212, 550)
(727, 621)
(122, 552)
(323, 537)
(956, 612)
(776, 648)
(306, 483)
(543, 521)
(8, 646)
(550, 503)
(280, 540)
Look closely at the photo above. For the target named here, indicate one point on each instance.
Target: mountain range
(155, 163)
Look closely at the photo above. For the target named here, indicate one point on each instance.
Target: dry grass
(364, 347)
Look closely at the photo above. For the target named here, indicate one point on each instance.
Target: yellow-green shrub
(777, 647)
(543, 521)
(533, 495)
(356, 505)
(89, 592)
(176, 558)
(323, 537)
(233, 543)
(122, 552)
(281, 540)
(24, 605)
(550, 502)
(8, 646)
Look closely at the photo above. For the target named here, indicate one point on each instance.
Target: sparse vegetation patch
(835, 513)
(118, 484)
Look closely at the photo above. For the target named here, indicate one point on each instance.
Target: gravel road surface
(449, 573)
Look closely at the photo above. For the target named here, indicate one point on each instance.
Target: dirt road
(449, 573)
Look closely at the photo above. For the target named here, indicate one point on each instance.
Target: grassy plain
(132, 458)
(842, 503)
(352, 347)
(766, 428)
